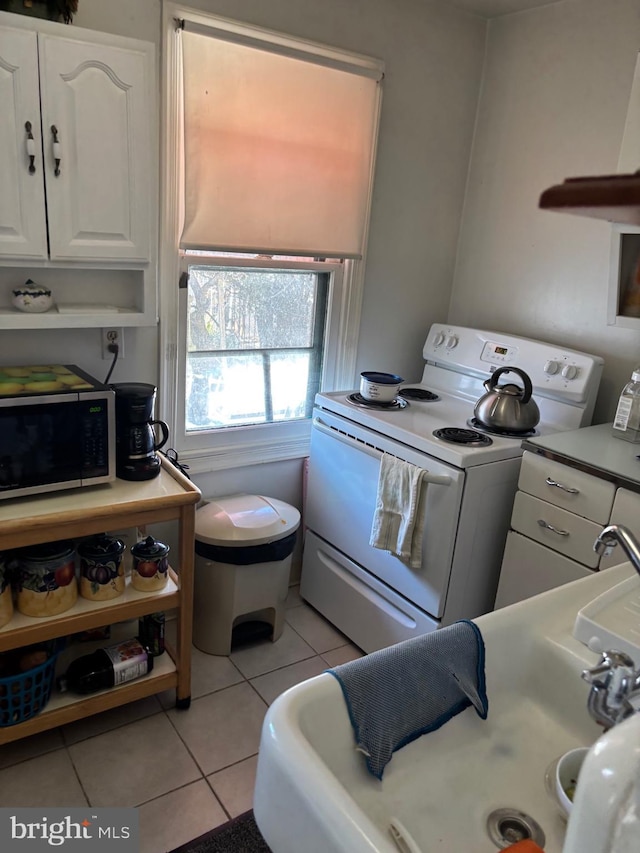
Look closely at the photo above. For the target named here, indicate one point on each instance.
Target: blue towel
(399, 693)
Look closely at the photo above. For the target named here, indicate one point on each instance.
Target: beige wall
(553, 104)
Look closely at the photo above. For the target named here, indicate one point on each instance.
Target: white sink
(314, 793)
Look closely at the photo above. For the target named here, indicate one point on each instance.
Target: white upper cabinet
(92, 117)
(23, 230)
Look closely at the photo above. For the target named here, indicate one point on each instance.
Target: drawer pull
(566, 489)
(553, 529)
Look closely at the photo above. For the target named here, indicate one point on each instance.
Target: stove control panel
(498, 353)
(556, 372)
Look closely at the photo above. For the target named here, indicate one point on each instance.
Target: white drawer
(626, 511)
(529, 568)
(566, 487)
(565, 532)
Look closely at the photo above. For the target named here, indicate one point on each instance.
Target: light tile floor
(186, 771)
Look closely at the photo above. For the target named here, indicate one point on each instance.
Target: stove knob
(551, 367)
(439, 338)
(569, 371)
(452, 342)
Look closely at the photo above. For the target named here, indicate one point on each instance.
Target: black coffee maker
(136, 440)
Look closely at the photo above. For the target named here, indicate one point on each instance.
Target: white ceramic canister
(150, 565)
(32, 298)
(47, 582)
(379, 387)
(6, 597)
(101, 568)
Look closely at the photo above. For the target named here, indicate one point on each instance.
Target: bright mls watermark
(70, 830)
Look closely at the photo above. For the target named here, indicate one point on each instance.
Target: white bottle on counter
(626, 424)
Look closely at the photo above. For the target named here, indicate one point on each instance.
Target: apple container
(150, 565)
(47, 582)
(101, 568)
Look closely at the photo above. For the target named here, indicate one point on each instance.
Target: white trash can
(243, 551)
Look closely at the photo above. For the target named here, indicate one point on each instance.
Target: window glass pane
(225, 391)
(289, 385)
(235, 309)
(254, 345)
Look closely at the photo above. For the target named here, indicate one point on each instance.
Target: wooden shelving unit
(80, 512)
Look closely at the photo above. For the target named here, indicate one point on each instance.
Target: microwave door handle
(370, 450)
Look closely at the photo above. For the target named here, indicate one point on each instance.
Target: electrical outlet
(112, 336)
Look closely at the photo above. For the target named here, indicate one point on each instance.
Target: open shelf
(64, 708)
(83, 297)
(85, 614)
(615, 198)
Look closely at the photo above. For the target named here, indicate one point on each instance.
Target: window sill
(223, 458)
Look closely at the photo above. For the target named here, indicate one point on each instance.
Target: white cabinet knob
(551, 367)
(452, 342)
(569, 371)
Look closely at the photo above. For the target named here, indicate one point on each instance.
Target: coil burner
(418, 394)
(394, 405)
(458, 435)
(474, 423)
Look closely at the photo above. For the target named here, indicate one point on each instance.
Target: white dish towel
(398, 521)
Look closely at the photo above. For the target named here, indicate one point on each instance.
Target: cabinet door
(529, 568)
(22, 211)
(97, 99)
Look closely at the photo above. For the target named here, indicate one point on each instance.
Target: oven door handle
(370, 450)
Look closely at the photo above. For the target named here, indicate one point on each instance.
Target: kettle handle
(528, 387)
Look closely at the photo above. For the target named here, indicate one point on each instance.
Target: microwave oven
(57, 430)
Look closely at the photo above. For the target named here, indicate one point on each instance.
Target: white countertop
(595, 448)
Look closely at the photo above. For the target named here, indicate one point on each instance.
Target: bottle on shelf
(626, 423)
(151, 632)
(107, 667)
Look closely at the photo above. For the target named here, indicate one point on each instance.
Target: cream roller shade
(278, 150)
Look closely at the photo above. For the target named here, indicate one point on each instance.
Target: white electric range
(372, 596)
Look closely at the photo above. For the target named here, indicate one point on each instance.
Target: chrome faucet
(615, 689)
(615, 681)
(615, 533)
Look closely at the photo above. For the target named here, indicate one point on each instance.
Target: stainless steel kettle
(508, 408)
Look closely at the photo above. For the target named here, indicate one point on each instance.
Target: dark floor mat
(240, 835)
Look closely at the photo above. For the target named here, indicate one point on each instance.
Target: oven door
(341, 498)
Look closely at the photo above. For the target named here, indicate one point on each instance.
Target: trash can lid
(240, 520)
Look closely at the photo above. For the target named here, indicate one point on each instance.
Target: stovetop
(416, 423)
(458, 363)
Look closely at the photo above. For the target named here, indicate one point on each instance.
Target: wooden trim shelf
(615, 198)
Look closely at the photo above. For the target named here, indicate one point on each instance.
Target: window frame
(234, 439)
(242, 445)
